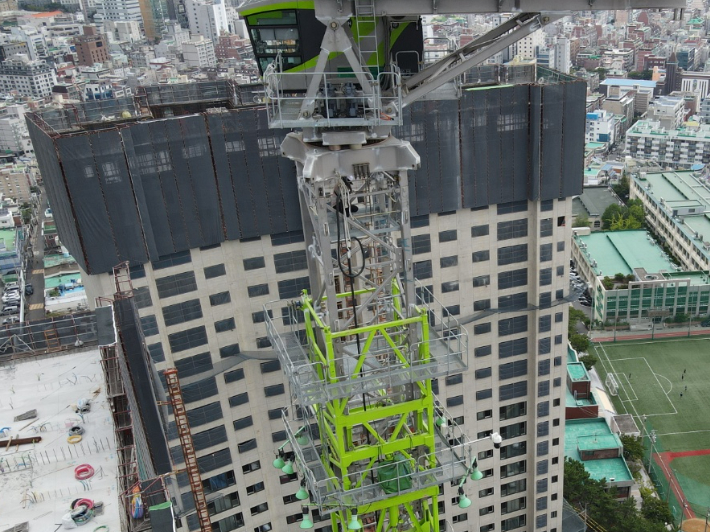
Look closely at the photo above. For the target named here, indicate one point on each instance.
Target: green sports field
(651, 377)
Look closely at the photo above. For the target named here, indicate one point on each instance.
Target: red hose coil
(82, 472)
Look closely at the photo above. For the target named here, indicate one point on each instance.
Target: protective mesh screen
(153, 188)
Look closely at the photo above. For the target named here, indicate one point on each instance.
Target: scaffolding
(188, 448)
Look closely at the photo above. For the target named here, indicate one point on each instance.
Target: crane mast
(369, 449)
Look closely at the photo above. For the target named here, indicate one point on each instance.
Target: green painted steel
(358, 451)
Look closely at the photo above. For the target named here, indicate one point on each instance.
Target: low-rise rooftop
(622, 251)
(595, 434)
(39, 480)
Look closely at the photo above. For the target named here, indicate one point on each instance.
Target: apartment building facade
(28, 78)
(495, 256)
(683, 147)
(676, 205)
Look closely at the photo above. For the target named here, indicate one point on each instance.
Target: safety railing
(389, 362)
(340, 100)
(329, 491)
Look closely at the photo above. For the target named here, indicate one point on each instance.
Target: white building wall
(532, 260)
(207, 18)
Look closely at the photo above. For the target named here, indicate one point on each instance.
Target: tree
(621, 188)
(582, 491)
(633, 447)
(581, 220)
(608, 215)
(588, 361)
(656, 510)
(579, 342)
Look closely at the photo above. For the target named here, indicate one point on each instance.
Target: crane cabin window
(275, 32)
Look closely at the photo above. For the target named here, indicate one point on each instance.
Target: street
(34, 304)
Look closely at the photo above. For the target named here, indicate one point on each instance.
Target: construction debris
(30, 414)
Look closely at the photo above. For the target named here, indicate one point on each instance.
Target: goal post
(611, 384)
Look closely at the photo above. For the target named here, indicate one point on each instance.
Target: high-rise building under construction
(188, 184)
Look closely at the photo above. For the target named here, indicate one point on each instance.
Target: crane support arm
(474, 53)
(463, 7)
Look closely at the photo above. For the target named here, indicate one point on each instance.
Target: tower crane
(370, 440)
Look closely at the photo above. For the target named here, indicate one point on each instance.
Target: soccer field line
(675, 410)
(614, 371)
(656, 375)
(681, 433)
(631, 386)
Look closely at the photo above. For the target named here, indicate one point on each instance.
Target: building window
(482, 328)
(449, 262)
(512, 207)
(290, 262)
(173, 285)
(254, 263)
(220, 298)
(546, 227)
(511, 391)
(215, 271)
(512, 369)
(513, 325)
(484, 394)
(512, 254)
(479, 230)
(246, 446)
(421, 244)
(513, 229)
(513, 348)
(482, 280)
(422, 269)
(513, 411)
(513, 278)
(450, 286)
(276, 389)
(419, 221)
(454, 401)
(239, 399)
(182, 312)
(447, 236)
(481, 256)
(545, 252)
(243, 423)
(258, 290)
(482, 351)
(484, 414)
(513, 301)
(483, 373)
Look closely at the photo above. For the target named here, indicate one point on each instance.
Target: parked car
(8, 299)
(705, 323)
(10, 319)
(29, 289)
(10, 309)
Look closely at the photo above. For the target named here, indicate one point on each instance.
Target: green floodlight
(441, 422)
(279, 462)
(288, 467)
(302, 493)
(476, 473)
(302, 438)
(464, 502)
(354, 524)
(306, 522)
